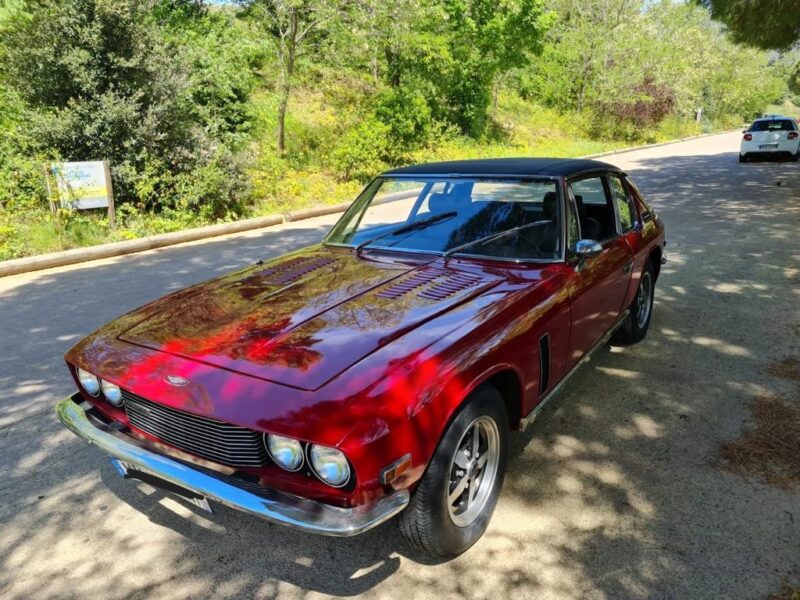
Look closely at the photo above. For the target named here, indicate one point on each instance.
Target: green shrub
(408, 116)
(363, 150)
(158, 88)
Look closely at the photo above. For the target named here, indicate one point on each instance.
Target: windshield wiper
(492, 238)
(421, 224)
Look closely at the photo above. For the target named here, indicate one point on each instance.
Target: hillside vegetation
(214, 112)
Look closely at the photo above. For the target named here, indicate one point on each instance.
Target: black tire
(636, 325)
(795, 157)
(427, 523)
(742, 158)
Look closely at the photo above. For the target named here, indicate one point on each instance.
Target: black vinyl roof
(547, 167)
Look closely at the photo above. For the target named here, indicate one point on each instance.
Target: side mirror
(744, 130)
(588, 248)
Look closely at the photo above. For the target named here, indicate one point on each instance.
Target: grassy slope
(787, 108)
(318, 119)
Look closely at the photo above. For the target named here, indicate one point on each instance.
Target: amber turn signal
(394, 470)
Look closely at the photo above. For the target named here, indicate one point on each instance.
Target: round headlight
(286, 452)
(89, 382)
(112, 392)
(330, 465)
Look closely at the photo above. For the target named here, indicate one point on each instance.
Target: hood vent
(431, 285)
(450, 285)
(408, 284)
(293, 269)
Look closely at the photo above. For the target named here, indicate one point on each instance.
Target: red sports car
(379, 373)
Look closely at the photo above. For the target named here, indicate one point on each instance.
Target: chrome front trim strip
(275, 506)
(537, 410)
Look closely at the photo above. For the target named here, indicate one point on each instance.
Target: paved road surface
(613, 493)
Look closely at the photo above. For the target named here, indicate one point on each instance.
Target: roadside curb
(79, 255)
(657, 144)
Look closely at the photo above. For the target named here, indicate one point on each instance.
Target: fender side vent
(294, 269)
(408, 284)
(544, 363)
(453, 284)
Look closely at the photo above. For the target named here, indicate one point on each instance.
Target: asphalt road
(615, 492)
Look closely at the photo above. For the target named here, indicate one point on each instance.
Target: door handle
(627, 268)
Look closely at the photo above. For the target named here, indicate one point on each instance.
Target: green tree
(632, 63)
(763, 23)
(295, 25)
(450, 51)
(116, 79)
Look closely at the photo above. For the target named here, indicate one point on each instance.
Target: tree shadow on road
(612, 493)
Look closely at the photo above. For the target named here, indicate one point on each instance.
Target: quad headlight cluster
(93, 385)
(328, 464)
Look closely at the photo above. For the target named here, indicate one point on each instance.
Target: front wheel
(455, 499)
(641, 310)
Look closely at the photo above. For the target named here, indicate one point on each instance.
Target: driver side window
(595, 211)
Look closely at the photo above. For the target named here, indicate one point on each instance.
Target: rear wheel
(641, 310)
(742, 158)
(455, 499)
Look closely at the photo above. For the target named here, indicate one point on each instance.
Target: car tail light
(748, 137)
(792, 135)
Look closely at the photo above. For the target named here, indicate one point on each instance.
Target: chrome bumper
(278, 507)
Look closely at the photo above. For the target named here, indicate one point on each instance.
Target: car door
(599, 284)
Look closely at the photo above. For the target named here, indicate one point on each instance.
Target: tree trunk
(392, 68)
(288, 49)
(584, 82)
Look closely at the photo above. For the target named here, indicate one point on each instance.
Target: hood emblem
(177, 380)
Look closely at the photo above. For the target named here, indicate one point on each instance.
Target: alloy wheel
(644, 300)
(473, 471)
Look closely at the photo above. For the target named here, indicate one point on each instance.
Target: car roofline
(424, 175)
(513, 176)
(503, 168)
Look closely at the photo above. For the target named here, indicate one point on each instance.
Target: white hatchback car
(771, 136)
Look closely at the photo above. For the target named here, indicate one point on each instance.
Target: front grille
(214, 440)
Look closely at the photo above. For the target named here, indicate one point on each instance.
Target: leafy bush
(165, 102)
(407, 114)
(21, 177)
(646, 104)
(363, 151)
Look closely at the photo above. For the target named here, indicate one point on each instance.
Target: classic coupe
(379, 373)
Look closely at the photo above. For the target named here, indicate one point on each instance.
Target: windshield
(454, 215)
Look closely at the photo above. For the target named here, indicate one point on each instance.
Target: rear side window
(624, 203)
(591, 191)
(774, 125)
(647, 212)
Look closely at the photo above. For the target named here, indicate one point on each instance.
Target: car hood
(302, 319)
